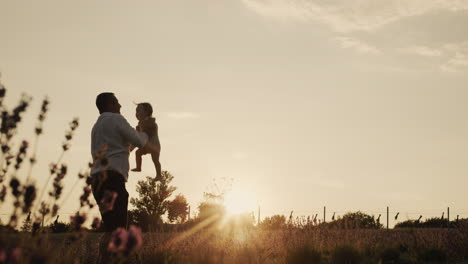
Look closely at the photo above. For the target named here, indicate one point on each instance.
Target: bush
(356, 220)
(432, 223)
(273, 222)
(59, 227)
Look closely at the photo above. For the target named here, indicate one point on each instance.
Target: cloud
(458, 60)
(350, 15)
(422, 51)
(458, 63)
(456, 47)
(182, 115)
(454, 56)
(357, 45)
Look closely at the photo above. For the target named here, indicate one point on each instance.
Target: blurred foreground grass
(260, 246)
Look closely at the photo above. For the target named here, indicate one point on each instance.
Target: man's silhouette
(110, 139)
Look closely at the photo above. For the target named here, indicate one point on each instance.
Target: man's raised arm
(136, 138)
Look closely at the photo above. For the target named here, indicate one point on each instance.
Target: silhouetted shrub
(356, 220)
(432, 223)
(59, 227)
(435, 223)
(7, 229)
(273, 222)
(152, 202)
(408, 224)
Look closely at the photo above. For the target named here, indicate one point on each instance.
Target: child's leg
(138, 155)
(157, 164)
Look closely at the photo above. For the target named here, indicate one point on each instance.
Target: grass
(307, 244)
(260, 246)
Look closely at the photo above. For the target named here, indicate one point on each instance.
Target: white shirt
(113, 131)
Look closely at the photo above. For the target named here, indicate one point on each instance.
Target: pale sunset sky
(352, 104)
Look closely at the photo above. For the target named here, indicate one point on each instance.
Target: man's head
(107, 102)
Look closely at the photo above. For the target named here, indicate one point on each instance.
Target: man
(110, 139)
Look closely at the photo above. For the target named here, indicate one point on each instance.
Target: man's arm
(136, 138)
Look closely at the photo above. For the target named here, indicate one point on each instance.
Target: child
(147, 124)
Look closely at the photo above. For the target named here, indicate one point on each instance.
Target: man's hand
(131, 147)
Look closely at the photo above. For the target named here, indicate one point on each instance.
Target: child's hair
(146, 107)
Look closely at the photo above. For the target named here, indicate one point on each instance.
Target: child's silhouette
(147, 124)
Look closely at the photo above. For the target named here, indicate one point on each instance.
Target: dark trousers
(113, 182)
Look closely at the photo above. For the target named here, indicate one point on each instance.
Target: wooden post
(258, 220)
(388, 213)
(324, 213)
(448, 214)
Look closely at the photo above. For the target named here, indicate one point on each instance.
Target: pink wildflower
(53, 168)
(77, 220)
(16, 255)
(96, 223)
(84, 198)
(118, 240)
(3, 193)
(2, 256)
(107, 202)
(135, 239)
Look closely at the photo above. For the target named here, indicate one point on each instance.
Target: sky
(349, 104)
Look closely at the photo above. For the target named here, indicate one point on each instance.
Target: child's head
(143, 110)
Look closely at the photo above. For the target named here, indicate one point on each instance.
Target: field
(290, 245)
(213, 236)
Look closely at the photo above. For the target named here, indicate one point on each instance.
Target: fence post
(324, 213)
(258, 220)
(448, 214)
(448, 217)
(388, 212)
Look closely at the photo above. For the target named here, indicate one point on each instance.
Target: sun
(238, 202)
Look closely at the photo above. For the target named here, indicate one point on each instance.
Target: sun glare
(238, 202)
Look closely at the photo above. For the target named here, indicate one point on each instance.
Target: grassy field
(258, 246)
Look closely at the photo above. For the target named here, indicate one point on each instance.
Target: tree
(240, 222)
(139, 218)
(356, 220)
(59, 227)
(178, 209)
(153, 194)
(273, 222)
(212, 206)
(408, 224)
(210, 210)
(434, 222)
